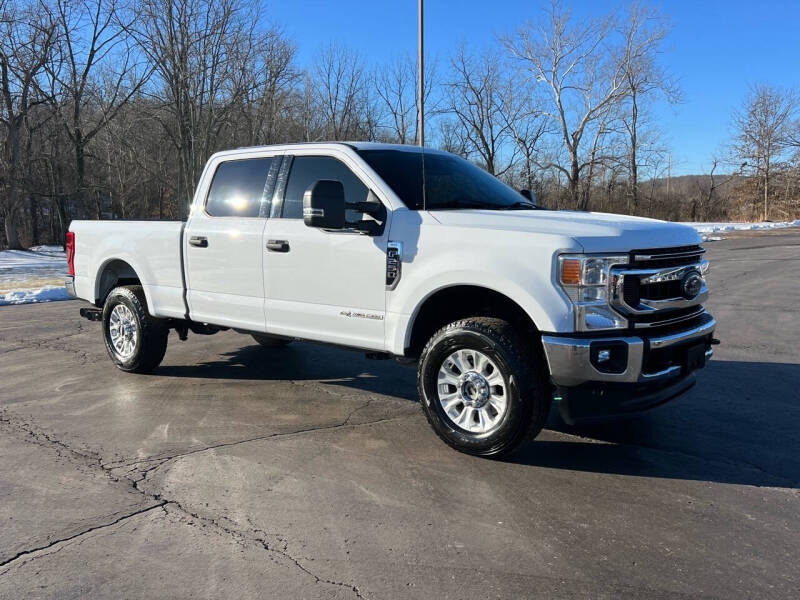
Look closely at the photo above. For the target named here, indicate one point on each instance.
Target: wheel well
(461, 301)
(114, 273)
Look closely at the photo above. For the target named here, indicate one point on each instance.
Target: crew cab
(419, 255)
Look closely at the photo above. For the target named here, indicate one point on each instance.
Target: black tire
(268, 341)
(524, 374)
(152, 333)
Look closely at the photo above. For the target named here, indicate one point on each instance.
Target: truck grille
(650, 291)
(666, 257)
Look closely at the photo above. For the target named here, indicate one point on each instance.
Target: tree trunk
(574, 174)
(12, 236)
(634, 170)
(33, 208)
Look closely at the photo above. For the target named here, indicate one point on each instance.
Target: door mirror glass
(323, 205)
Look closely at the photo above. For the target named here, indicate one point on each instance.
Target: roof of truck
(353, 145)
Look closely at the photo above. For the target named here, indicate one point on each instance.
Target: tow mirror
(528, 195)
(323, 205)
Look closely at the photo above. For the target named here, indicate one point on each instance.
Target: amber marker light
(571, 271)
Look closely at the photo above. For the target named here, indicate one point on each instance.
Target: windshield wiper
(521, 205)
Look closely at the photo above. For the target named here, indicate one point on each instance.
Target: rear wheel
(483, 388)
(135, 340)
(268, 341)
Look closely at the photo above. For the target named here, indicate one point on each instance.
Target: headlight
(585, 279)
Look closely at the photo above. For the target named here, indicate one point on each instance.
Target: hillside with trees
(109, 109)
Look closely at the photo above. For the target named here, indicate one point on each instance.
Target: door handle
(278, 246)
(198, 241)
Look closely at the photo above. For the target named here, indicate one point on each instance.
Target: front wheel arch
(461, 301)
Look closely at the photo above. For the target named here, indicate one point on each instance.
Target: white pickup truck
(420, 256)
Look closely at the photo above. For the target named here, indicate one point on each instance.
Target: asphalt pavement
(309, 472)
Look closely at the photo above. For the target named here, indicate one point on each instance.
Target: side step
(93, 314)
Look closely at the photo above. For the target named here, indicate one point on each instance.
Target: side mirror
(528, 195)
(323, 205)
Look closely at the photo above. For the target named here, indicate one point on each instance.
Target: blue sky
(715, 49)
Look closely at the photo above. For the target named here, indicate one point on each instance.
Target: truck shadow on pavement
(304, 362)
(740, 424)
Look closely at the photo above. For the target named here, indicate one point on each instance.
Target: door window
(308, 169)
(239, 188)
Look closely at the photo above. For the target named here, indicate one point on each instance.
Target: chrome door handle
(278, 246)
(198, 241)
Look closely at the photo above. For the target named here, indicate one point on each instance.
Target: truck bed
(151, 249)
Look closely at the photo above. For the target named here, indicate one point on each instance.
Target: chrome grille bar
(669, 255)
(670, 321)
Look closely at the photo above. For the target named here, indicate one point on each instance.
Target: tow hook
(714, 342)
(93, 314)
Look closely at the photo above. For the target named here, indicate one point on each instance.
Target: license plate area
(695, 357)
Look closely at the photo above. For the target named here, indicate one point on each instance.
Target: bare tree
(763, 131)
(585, 74)
(339, 82)
(264, 83)
(644, 31)
(396, 87)
(27, 38)
(475, 95)
(97, 74)
(527, 124)
(195, 47)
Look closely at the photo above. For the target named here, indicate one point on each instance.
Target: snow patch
(720, 227)
(48, 293)
(34, 275)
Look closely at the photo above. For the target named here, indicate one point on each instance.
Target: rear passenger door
(323, 285)
(223, 244)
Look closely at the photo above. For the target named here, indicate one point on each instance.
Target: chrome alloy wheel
(123, 331)
(472, 391)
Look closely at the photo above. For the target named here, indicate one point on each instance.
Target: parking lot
(310, 472)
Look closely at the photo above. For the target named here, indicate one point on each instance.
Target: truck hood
(596, 232)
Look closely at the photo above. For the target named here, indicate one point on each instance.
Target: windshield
(450, 181)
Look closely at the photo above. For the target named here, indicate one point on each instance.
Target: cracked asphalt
(309, 472)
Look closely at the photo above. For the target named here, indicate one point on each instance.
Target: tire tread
(154, 332)
(528, 362)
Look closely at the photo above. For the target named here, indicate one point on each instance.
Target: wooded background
(110, 108)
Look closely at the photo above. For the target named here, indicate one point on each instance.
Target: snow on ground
(47, 293)
(720, 227)
(35, 275)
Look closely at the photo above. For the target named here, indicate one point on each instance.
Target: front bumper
(572, 360)
(601, 377)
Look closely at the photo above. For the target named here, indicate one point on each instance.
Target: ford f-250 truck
(417, 255)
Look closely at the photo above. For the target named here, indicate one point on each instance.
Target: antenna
(421, 99)
(421, 84)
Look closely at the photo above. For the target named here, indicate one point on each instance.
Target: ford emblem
(691, 284)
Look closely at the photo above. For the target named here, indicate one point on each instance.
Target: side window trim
(269, 187)
(276, 211)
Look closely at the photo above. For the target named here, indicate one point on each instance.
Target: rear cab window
(242, 188)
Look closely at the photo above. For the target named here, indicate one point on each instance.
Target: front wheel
(135, 340)
(483, 388)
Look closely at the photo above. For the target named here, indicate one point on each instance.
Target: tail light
(71, 252)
